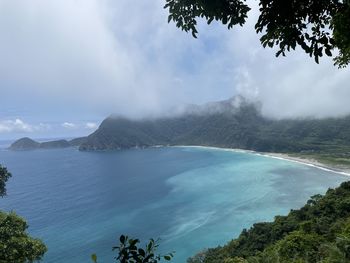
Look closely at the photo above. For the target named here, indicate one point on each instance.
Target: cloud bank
(122, 57)
(68, 125)
(17, 125)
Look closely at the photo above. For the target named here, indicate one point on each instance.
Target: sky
(65, 65)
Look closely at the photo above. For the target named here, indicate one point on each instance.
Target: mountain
(24, 144)
(234, 123)
(198, 125)
(54, 144)
(29, 144)
(77, 141)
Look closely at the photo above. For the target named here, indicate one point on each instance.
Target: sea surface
(192, 198)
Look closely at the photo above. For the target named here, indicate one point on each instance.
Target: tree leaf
(94, 258)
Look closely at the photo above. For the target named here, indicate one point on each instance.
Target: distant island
(29, 144)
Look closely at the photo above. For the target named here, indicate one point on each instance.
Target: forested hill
(319, 232)
(224, 124)
(29, 144)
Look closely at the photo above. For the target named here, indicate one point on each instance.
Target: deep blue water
(192, 198)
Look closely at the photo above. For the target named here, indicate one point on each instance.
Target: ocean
(79, 203)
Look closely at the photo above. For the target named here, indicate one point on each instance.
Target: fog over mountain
(233, 123)
(65, 60)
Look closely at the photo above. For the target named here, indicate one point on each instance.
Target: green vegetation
(319, 27)
(4, 176)
(130, 252)
(16, 246)
(223, 125)
(318, 232)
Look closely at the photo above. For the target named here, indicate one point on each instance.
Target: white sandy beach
(283, 156)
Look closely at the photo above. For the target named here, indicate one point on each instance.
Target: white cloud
(91, 125)
(17, 125)
(103, 56)
(77, 51)
(76, 126)
(69, 125)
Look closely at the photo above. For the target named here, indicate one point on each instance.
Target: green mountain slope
(318, 232)
(223, 124)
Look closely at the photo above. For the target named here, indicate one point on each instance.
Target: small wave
(185, 225)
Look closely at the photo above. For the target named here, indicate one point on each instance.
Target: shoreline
(281, 156)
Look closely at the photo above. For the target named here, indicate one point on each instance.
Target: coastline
(308, 162)
(282, 156)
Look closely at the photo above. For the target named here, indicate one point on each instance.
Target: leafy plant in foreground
(319, 27)
(130, 252)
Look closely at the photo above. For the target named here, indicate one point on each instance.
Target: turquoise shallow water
(192, 198)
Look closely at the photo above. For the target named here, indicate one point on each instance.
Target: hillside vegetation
(318, 232)
(223, 124)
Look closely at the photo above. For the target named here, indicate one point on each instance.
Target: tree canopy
(4, 176)
(318, 232)
(16, 246)
(319, 27)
